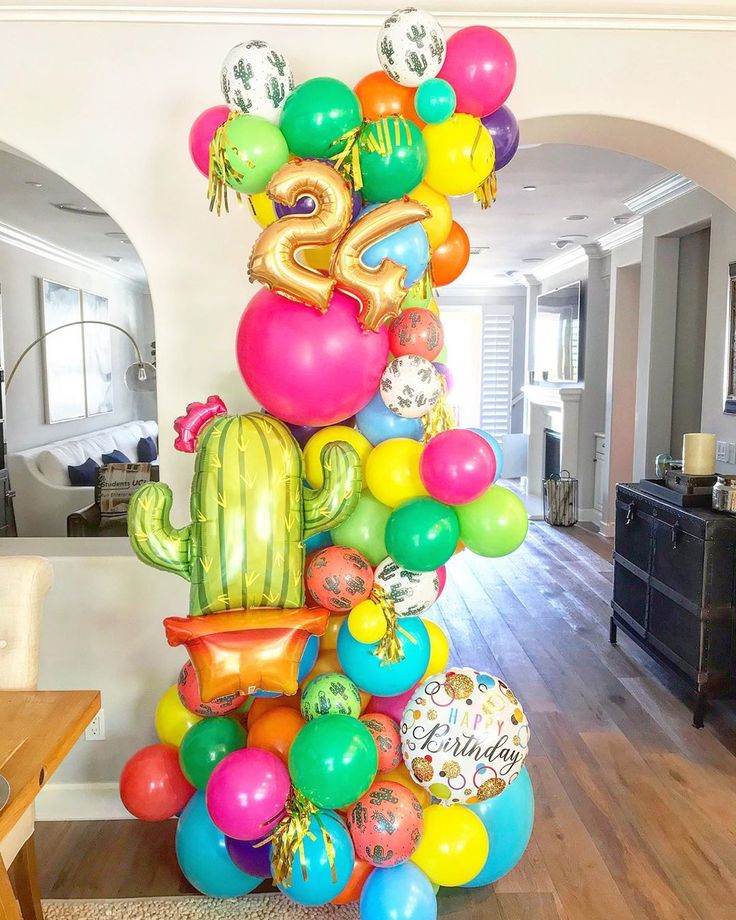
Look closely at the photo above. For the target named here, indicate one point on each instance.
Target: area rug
(252, 907)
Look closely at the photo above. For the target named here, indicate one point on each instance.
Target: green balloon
(392, 174)
(494, 524)
(364, 529)
(206, 744)
(316, 114)
(333, 760)
(330, 693)
(435, 101)
(255, 149)
(422, 534)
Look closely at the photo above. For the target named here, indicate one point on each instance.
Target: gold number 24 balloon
(273, 260)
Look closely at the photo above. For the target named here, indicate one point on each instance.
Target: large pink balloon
(457, 466)
(246, 793)
(306, 367)
(202, 132)
(481, 67)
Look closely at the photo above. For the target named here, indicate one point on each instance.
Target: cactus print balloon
(410, 386)
(416, 332)
(188, 689)
(411, 592)
(339, 578)
(386, 824)
(330, 694)
(386, 734)
(411, 46)
(256, 79)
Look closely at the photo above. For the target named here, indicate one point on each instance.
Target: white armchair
(24, 583)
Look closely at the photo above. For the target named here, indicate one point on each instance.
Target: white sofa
(44, 496)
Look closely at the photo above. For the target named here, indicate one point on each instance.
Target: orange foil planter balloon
(450, 259)
(380, 97)
(273, 259)
(241, 651)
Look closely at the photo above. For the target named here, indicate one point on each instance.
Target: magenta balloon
(201, 134)
(391, 706)
(457, 466)
(246, 793)
(442, 578)
(307, 367)
(481, 67)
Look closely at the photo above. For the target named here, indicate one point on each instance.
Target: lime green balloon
(203, 749)
(400, 168)
(422, 534)
(365, 528)
(333, 760)
(330, 693)
(254, 149)
(317, 113)
(494, 524)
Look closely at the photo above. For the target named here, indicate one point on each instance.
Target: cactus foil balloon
(250, 511)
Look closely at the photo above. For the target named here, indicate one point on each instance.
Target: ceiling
(569, 180)
(28, 192)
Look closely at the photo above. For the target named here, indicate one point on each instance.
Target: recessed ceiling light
(477, 250)
(574, 236)
(621, 219)
(34, 184)
(82, 209)
(117, 235)
(530, 261)
(529, 188)
(576, 217)
(114, 258)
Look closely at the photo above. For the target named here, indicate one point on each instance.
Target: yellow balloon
(437, 225)
(366, 622)
(439, 649)
(317, 256)
(173, 720)
(454, 845)
(432, 307)
(392, 471)
(460, 155)
(401, 775)
(320, 439)
(261, 209)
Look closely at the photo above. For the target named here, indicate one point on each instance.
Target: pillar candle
(699, 454)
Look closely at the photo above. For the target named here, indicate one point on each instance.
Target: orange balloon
(327, 662)
(328, 642)
(351, 892)
(380, 97)
(450, 259)
(401, 775)
(264, 704)
(365, 698)
(275, 731)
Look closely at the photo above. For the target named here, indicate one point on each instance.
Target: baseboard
(607, 528)
(589, 515)
(80, 802)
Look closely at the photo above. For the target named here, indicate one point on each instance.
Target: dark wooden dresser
(674, 589)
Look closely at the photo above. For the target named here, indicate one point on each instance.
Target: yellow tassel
(347, 161)
(287, 840)
(439, 418)
(221, 171)
(390, 649)
(486, 191)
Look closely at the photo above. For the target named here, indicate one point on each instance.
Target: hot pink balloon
(307, 367)
(391, 706)
(247, 792)
(201, 134)
(457, 466)
(481, 67)
(442, 578)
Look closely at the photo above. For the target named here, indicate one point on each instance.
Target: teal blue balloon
(319, 886)
(435, 101)
(359, 661)
(508, 818)
(203, 855)
(400, 892)
(408, 247)
(495, 447)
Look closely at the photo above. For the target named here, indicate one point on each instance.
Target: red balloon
(338, 578)
(386, 734)
(152, 786)
(416, 331)
(188, 689)
(386, 824)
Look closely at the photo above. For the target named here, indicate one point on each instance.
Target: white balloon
(411, 46)
(410, 386)
(256, 79)
(411, 592)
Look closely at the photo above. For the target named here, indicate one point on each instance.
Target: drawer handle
(630, 512)
(675, 535)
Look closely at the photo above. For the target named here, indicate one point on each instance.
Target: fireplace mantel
(557, 408)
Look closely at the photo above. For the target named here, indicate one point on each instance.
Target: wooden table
(37, 731)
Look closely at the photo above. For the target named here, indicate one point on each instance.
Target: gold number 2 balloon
(273, 259)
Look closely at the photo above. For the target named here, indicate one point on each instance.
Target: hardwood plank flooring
(635, 807)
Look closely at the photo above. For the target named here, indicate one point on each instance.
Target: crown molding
(573, 258)
(19, 239)
(621, 235)
(533, 16)
(674, 186)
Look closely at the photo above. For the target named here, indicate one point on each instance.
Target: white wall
(129, 306)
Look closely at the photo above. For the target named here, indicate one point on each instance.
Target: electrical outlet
(732, 452)
(95, 731)
(722, 451)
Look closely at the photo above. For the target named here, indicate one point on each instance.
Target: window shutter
(498, 344)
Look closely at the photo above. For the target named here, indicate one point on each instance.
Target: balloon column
(316, 735)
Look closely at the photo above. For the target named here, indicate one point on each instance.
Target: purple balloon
(504, 129)
(446, 373)
(305, 204)
(249, 857)
(302, 433)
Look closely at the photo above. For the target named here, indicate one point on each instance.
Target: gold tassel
(347, 161)
(390, 649)
(440, 417)
(221, 171)
(375, 137)
(487, 191)
(287, 840)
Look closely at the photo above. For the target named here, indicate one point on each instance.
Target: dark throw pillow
(147, 450)
(85, 474)
(115, 456)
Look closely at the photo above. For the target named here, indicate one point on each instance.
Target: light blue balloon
(203, 855)
(408, 247)
(497, 450)
(398, 893)
(378, 423)
(307, 662)
(508, 818)
(369, 672)
(319, 887)
(318, 541)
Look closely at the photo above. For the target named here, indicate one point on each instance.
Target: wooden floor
(636, 809)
